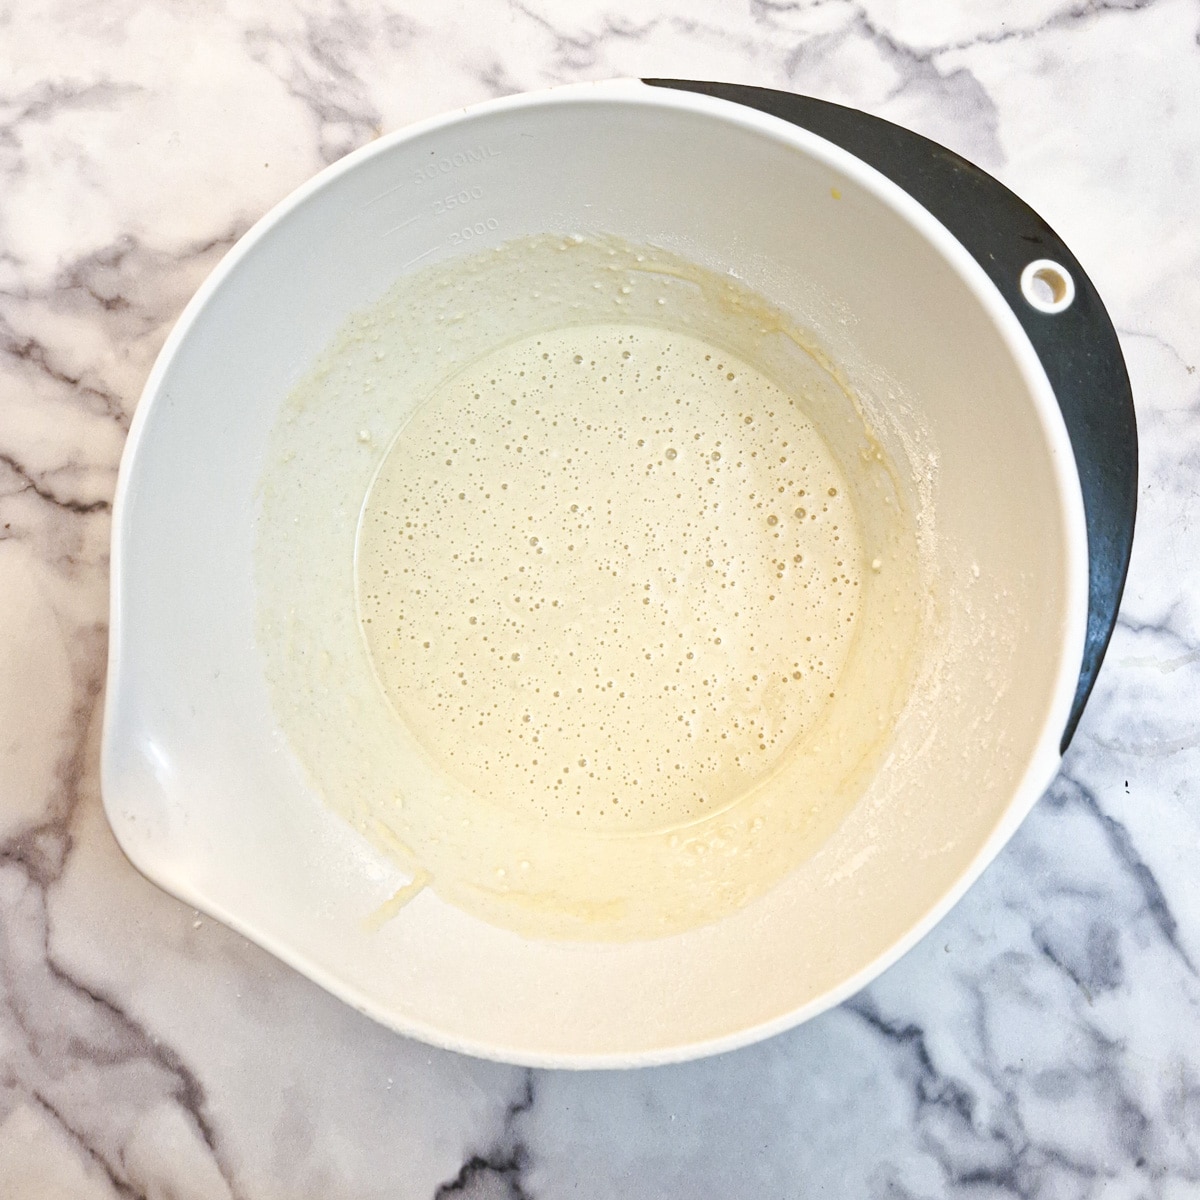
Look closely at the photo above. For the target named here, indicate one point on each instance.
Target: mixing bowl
(977, 346)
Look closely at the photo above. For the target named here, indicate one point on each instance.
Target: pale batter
(623, 627)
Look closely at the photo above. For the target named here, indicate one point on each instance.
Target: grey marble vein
(316, 66)
(499, 1170)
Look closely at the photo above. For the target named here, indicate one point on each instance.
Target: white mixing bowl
(199, 784)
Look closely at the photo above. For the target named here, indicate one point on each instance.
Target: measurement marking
(383, 194)
(419, 257)
(402, 225)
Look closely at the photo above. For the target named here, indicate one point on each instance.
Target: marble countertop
(1043, 1041)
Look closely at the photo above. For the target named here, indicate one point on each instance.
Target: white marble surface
(1043, 1042)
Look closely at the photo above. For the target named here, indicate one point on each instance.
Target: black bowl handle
(1077, 346)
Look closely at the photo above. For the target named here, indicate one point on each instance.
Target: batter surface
(608, 575)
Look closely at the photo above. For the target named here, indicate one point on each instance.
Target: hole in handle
(1047, 286)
